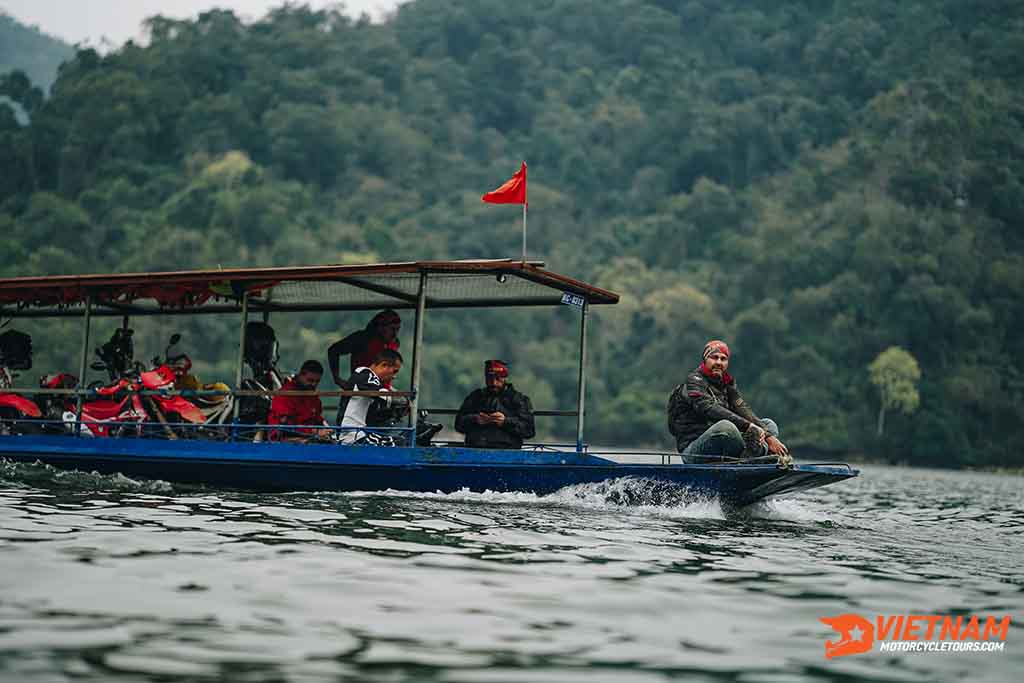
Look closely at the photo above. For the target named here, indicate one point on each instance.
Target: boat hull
(314, 467)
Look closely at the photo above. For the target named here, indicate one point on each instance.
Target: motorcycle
(112, 407)
(216, 409)
(113, 410)
(16, 412)
(58, 408)
(261, 354)
(425, 431)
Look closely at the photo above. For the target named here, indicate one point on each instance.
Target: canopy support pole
(417, 342)
(241, 354)
(524, 233)
(83, 365)
(582, 381)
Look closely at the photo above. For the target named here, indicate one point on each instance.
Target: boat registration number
(573, 299)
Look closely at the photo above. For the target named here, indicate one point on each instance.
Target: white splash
(642, 496)
(790, 510)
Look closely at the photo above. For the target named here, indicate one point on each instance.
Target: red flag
(512, 192)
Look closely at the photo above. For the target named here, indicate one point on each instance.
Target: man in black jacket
(496, 416)
(710, 419)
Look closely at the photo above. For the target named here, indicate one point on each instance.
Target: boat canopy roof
(449, 284)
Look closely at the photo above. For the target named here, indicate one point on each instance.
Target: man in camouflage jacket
(710, 419)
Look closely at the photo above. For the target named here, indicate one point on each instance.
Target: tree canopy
(815, 182)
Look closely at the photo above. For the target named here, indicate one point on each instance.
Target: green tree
(895, 374)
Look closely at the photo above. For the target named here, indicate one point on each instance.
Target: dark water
(106, 579)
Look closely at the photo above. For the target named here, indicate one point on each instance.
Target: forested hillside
(35, 53)
(815, 182)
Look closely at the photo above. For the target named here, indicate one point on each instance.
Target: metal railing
(208, 428)
(225, 430)
(222, 432)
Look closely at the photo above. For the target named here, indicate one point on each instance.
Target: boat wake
(646, 496)
(636, 492)
(792, 510)
(41, 475)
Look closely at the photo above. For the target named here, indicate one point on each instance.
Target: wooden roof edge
(531, 270)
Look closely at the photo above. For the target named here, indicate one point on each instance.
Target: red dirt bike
(120, 408)
(111, 410)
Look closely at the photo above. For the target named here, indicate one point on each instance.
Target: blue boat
(234, 459)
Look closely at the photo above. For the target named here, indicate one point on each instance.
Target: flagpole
(524, 232)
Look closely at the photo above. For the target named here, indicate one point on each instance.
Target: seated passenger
(184, 380)
(299, 410)
(496, 416)
(368, 411)
(712, 422)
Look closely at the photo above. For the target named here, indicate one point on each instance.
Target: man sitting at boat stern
(369, 411)
(712, 422)
(496, 416)
(289, 411)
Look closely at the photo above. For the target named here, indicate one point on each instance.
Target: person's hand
(760, 432)
(776, 447)
(498, 418)
(324, 433)
(482, 418)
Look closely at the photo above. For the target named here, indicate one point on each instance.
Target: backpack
(16, 350)
(260, 347)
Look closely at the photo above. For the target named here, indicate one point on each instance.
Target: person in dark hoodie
(710, 419)
(496, 416)
(363, 346)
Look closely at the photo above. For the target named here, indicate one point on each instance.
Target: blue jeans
(722, 439)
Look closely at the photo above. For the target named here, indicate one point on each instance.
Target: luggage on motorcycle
(260, 347)
(16, 350)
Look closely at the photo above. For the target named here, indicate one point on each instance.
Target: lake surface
(107, 579)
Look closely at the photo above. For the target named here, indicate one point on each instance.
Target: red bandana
(713, 346)
(495, 367)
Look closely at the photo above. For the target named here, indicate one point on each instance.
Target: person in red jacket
(363, 346)
(292, 411)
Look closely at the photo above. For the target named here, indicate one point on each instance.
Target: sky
(116, 21)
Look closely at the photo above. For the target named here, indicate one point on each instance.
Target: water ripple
(106, 578)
